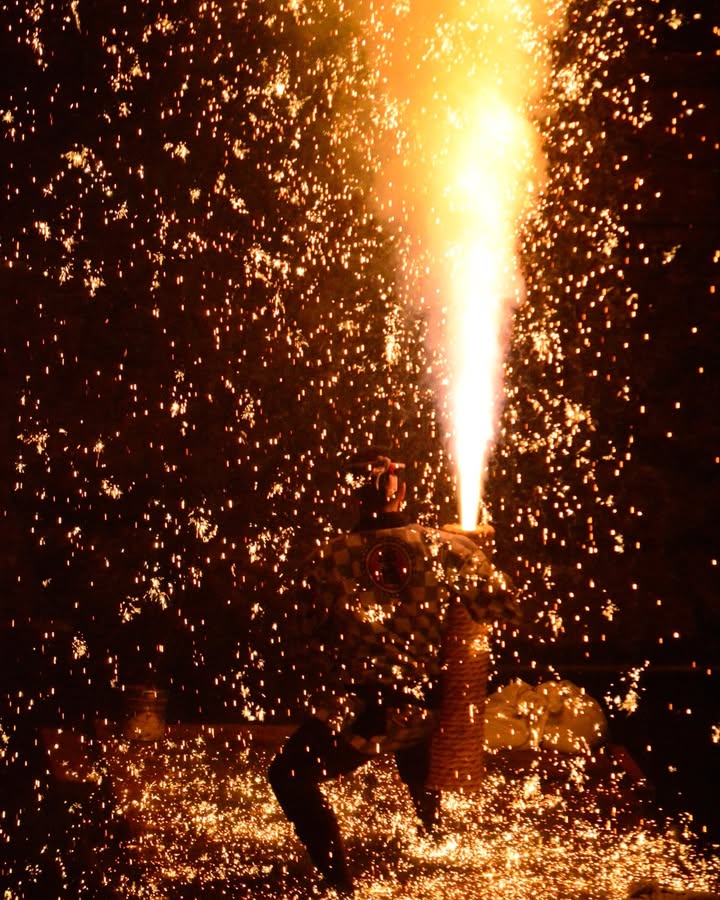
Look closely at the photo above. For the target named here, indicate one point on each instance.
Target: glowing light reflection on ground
(204, 824)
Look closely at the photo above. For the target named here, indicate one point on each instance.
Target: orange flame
(461, 79)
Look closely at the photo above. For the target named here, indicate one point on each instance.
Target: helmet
(375, 477)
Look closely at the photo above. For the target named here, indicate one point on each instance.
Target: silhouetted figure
(373, 604)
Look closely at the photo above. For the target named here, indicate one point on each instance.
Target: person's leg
(311, 755)
(413, 765)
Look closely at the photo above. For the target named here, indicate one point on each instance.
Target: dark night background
(196, 298)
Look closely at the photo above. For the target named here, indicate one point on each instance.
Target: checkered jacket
(378, 599)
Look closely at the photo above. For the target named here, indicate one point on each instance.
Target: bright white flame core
(478, 358)
(488, 194)
(462, 165)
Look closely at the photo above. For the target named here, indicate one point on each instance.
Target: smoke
(461, 85)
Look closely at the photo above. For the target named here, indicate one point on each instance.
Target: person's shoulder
(345, 539)
(329, 549)
(435, 540)
(405, 531)
(453, 543)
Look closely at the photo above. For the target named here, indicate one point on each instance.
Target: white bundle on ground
(555, 714)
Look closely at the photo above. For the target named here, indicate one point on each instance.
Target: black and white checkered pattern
(378, 603)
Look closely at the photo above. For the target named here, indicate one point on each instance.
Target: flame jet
(461, 83)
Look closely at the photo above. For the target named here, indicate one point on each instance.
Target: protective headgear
(375, 478)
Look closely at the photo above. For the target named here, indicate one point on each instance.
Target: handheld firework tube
(457, 760)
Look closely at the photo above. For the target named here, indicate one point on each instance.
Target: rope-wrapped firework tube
(457, 752)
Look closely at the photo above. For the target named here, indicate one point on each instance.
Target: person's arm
(486, 592)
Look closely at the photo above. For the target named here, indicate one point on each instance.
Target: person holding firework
(372, 607)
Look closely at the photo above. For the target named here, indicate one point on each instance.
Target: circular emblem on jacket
(389, 565)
